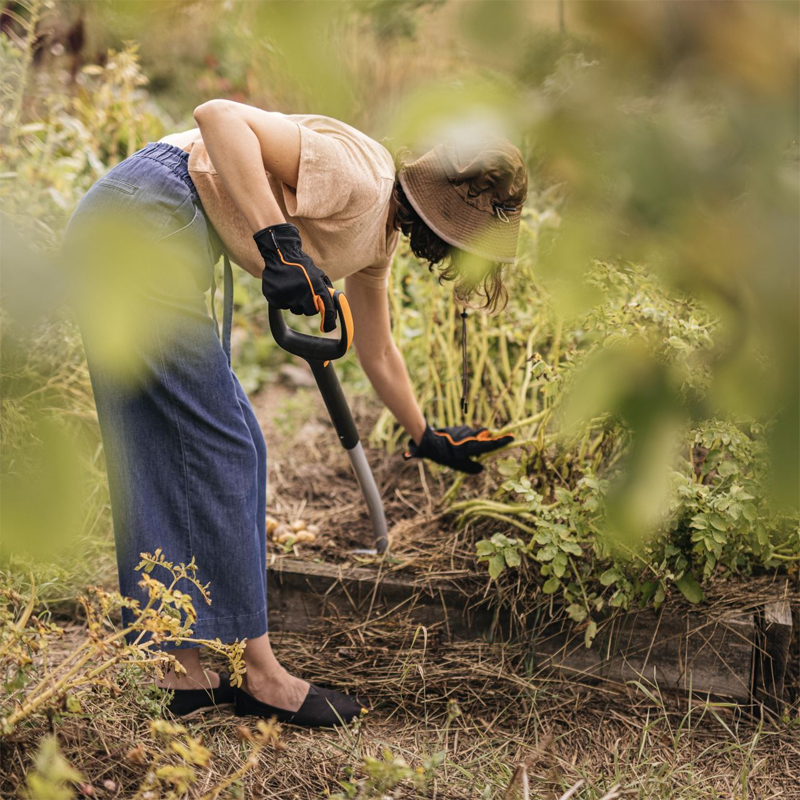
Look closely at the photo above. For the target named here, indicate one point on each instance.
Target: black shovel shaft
(342, 419)
(332, 394)
(319, 352)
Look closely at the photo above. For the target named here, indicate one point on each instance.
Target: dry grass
(560, 732)
(504, 732)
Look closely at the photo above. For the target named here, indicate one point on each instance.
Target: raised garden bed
(738, 654)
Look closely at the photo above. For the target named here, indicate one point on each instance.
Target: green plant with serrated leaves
(714, 519)
(498, 553)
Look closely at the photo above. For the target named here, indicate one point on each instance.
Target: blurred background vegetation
(648, 358)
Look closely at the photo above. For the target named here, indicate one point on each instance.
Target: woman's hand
(455, 447)
(290, 278)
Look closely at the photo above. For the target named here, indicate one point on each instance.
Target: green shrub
(596, 514)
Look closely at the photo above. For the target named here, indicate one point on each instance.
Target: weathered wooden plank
(706, 653)
(774, 639)
(301, 594)
(671, 651)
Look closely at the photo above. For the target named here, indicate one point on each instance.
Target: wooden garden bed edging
(739, 655)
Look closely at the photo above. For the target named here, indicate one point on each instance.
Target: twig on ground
(572, 791)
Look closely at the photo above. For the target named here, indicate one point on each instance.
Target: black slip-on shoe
(187, 702)
(322, 708)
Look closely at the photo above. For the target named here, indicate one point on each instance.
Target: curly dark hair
(473, 276)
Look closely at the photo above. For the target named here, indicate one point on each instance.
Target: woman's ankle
(194, 678)
(258, 677)
(279, 689)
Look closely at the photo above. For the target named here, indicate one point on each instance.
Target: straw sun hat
(470, 196)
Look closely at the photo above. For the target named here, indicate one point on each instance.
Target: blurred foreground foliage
(647, 360)
(580, 502)
(51, 465)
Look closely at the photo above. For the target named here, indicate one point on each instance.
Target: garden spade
(320, 352)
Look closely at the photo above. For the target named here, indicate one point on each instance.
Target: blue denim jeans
(185, 456)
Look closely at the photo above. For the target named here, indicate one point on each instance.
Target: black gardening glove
(454, 447)
(290, 278)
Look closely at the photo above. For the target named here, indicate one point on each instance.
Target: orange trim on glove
(483, 436)
(318, 302)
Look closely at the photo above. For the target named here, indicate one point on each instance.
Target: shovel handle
(315, 348)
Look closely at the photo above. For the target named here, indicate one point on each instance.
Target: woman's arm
(244, 143)
(379, 357)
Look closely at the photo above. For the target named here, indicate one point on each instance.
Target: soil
(310, 479)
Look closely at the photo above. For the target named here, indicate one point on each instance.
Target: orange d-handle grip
(315, 348)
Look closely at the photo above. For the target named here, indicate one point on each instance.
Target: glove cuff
(267, 238)
(279, 229)
(420, 450)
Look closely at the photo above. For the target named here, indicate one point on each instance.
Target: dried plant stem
(573, 790)
(37, 697)
(250, 763)
(29, 26)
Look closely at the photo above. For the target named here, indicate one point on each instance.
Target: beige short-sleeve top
(340, 204)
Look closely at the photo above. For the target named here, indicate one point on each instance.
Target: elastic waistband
(171, 156)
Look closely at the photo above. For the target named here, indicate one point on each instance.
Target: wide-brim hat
(470, 196)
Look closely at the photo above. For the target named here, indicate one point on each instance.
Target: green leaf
(551, 585)
(547, 553)
(577, 612)
(610, 576)
(560, 564)
(648, 590)
(762, 535)
(727, 468)
(599, 603)
(563, 495)
(508, 467)
(484, 548)
(690, 588)
(73, 704)
(618, 599)
(591, 632)
(572, 547)
(718, 522)
(512, 557)
(496, 566)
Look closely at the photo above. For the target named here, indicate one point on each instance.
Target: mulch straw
(472, 700)
(507, 731)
